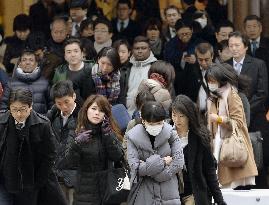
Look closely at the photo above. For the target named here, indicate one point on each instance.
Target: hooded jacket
(138, 72)
(160, 93)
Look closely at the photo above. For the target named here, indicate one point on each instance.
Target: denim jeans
(5, 197)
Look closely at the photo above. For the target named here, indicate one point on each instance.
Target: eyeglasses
(100, 31)
(22, 110)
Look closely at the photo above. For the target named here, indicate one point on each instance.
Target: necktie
(238, 67)
(19, 126)
(254, 47)
(77, 30)
(121, 26)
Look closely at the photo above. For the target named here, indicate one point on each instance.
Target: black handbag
(256, 141)
(136, 184)
(117, 186)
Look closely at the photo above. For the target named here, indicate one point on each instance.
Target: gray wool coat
(159, 182)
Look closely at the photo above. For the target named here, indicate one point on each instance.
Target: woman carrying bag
(95, 146)
(225, 114)
(154, 156)
(198, 181)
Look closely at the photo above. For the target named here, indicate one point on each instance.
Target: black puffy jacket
(92, 160)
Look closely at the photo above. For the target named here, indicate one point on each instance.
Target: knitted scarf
(156, 46)
(107, 85)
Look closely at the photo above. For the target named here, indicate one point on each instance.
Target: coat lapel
(246, 65)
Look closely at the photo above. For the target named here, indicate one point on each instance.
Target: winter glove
(83, 137)
(106, 127)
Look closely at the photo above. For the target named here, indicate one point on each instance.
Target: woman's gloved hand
(106, 127)
(83, 137)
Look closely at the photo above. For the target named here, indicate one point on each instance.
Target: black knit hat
(22, 22)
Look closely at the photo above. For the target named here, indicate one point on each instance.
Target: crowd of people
(157, 87)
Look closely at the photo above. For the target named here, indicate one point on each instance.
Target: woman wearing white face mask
(225, 108)
(202, 27)
(155, 156)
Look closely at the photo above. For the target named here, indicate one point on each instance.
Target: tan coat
(236, 112)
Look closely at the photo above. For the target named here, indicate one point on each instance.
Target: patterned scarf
(107, 85)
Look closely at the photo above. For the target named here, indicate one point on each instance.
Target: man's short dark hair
(139, 39)
(27, 52)
(252, 17)
(22, 22)
(224, 23)
(189, 2)
(171, 7)
(79, 4)
(105, 21)
(238, 34)
(222, 45)
(62, 89)
(71, 41)
(120, 42)
(21, 95)
(125, 2)
(85, 23)
(203, 48)
(183, 23)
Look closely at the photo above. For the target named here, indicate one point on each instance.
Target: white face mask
(202, 22)
(213, 87)
(154, 130)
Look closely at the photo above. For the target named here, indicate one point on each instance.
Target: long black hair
(225, 73)
(186, 106)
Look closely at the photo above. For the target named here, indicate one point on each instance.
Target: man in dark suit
(195, 85)
(256, 70)
(258, 45)
(172, 14)
(123, 26)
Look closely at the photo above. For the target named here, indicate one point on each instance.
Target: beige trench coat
(236, 112)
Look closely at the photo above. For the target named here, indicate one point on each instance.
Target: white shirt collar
(67, 116)
(172, 31)
(23, 123)
(126, 21)
(241, 61)
(80, 67)
(257, 40)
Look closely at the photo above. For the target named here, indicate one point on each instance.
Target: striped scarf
(107, 85)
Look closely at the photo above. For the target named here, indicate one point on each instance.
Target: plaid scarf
(107, 85)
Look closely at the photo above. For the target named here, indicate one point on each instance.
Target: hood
(27, 77)
(160, 93)
(143, 63)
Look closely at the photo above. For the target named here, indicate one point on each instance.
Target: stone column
(240, 11)
(254, 7)
(230, 10)
(265, 16)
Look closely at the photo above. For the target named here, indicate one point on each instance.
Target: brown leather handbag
(233, 152)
